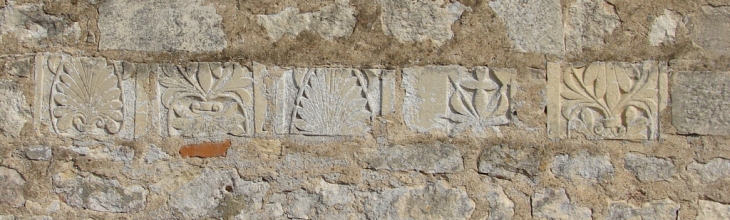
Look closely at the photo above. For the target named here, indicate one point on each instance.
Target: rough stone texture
(658, 209)
(99, 194)
(102, 151)
(427, 158)
(664, 29)
(29, 24)
(14, 111)
(39, 153)
(189, 25)
(155, 154)
(421, 20)
(534, 25)
(589, 22)
(583, 165)
(649, 169)
(699, 105)
(708, 28)
(11, 187)
(333, 21)
(554, 204)
(715, 169)
(203, 196)
(434, 201)
(507, 162)
(501, 207)
(712, 210)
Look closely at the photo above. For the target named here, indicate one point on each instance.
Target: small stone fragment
(186, 25)
(98, 194)
(708, 29)
(658, 209)
(500, 206)
(533, 25)
(22, 67)
(103, 151)
(712, 210)
(592, 168)
(39, 153)
(154, 153)
(206, 149)
(554, 204)
(716, 169)
(698, 105)
(434, 201)
(664, 28)
(649, 169)
(588, 23)
(14, 111)
(11, 188)
(428, 158)
(420, 20)
(337, 20)
(507, 162)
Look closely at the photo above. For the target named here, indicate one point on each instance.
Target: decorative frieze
(605, 100)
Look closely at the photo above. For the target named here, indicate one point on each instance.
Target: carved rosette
(610, 101)
(207, 99)
(86, 96)
(480, 101)
(332, 102)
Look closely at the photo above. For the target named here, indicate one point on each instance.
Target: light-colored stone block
(708, 29)
(583, 166)
(664, 29)
(588, 22)
(433, 158)
(453, 98)
(649, 169)
(206, 99)
(509, 162)
(328, 101)
(332, 21)
(443, 202)
(186, 25)
(712, 210)
(657, 209)
(605, 100)
(420, 20)
(11, 188)
(533, 25)
(555, 204)
(699, 103)
(98, 194)
(14, 110)
(713, 170)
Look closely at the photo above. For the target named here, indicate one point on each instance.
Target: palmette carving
(610, 101)
(86, 96)
(480, 102)
(207, 99)
(332, 102)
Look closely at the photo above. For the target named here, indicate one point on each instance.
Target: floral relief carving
(86, 96)
(479, 101)
(332, 102)
(610, 101)
(207, 99)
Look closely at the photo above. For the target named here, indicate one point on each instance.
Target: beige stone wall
(352, 109)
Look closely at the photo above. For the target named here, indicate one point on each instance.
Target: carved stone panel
(454, 99)
(328, 101)
(80, 96)
(604, 100)
(205, 99)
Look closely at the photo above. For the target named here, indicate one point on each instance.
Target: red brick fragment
(206, 149)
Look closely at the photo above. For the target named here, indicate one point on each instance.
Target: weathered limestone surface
(649, 169)
(420, 20)
(434, 201)
(432, 158)
(658, 209)
(189, 25)
(533, 26)
(699, 104)
(330, 22)
(713, 210)
(583, 166)
(713, 170)
(664, 29)
(99, 194)
(508, 162)
(554, 204)
(708, 28)
(11, 187)
(14, 110)
(589, 22)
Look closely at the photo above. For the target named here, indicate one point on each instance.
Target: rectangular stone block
(453, 99)
(327, 101)
(83, 96)
(700, 102)
(604, 100)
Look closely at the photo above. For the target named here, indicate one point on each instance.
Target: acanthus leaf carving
(610, 101)
(479, 101)
(207, 99)
(86, 96)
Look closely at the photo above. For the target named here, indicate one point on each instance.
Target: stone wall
(356, 109)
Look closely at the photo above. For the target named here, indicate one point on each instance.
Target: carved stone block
(205, 99)
(454, 98)
(327, 101)
(81, 96)
(605, 100)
